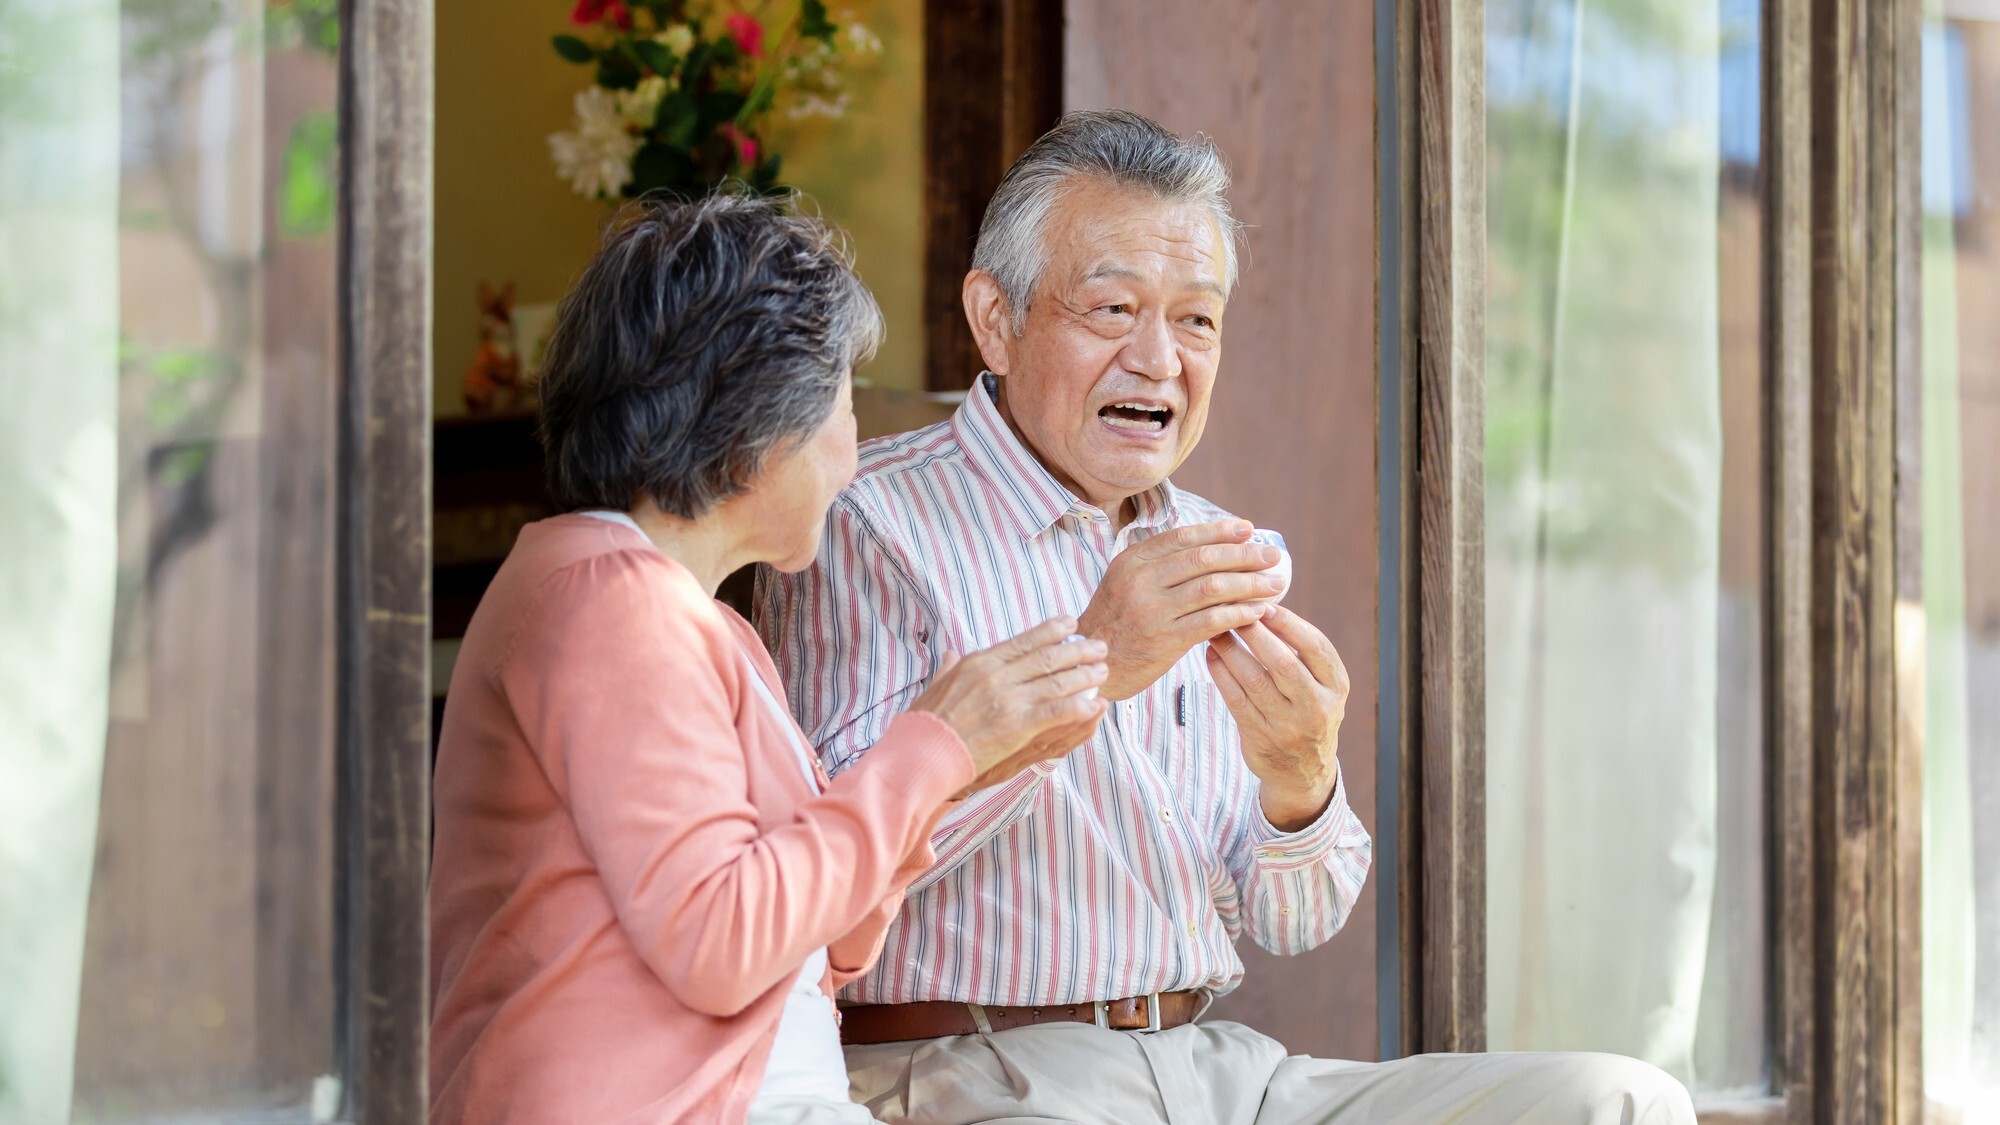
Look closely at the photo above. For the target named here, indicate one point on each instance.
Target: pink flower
(746, 145)
(748, 33)
(588, 12)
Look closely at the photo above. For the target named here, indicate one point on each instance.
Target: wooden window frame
(1843, 683)
(383, 556)
(1842, 364)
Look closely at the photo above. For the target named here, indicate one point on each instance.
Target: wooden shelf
(487, 483)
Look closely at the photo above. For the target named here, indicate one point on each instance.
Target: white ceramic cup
(1264, 537)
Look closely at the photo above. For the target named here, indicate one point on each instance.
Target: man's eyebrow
(1111, 271)
(1107, 270)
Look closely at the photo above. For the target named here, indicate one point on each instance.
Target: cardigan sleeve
(854, 953)
(626, 682)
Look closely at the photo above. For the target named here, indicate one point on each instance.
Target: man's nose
(1152, 352)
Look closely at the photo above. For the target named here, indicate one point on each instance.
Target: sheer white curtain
(1962, 667)
(1606, 606)
(59, 84)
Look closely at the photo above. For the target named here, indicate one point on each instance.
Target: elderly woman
(645, 890)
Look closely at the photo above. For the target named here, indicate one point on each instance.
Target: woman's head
(703, 357)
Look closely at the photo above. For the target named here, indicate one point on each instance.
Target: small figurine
(493, 381)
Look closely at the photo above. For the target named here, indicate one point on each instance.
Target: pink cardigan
(629, 867)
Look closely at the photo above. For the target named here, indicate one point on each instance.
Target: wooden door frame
(993, 72)
(1841, 98)
(383, 539)
(1439, 384)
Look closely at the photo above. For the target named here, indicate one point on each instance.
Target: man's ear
(986, 312)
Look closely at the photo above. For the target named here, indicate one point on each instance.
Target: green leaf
(684, 131)
(311, 23)
(679, 119)
(759, 100)
(658, 167)
(696, 65)
(725, 52)
(657, 58)
(307, 191)
(616, 72)
(718, 107)
(574, 49)
(181, 465)
(813, 23)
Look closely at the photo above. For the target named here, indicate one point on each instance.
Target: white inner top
(805, 1059)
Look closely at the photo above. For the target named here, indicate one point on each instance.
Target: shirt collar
(1030, 494)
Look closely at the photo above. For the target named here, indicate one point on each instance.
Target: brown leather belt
(932, 1019)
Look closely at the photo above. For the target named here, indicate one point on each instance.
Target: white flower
(863, 41)
(812, 59)
(641, 104)
(812, 105)
(596, 157)
(679, 39)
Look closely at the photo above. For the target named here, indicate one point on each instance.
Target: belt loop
(979, 1019)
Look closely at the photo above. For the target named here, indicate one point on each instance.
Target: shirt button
(1190, 929)
(1166, 814)
(1284, 910)
(1269, 853)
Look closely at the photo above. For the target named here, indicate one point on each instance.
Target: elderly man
(1051, 965)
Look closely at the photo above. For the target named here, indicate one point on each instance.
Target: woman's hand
(1025, 700)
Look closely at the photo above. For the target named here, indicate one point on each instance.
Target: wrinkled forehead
(1106, 233)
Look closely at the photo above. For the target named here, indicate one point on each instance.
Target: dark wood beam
(383, 543)
(992, 84)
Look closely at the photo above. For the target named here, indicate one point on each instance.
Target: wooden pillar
(383, 543)
(1867, 861)
(992, 85)
(1444, 745)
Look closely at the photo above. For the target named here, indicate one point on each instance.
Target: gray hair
(1110, 145)
(701, 337)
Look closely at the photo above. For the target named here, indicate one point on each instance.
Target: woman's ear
(986, 313)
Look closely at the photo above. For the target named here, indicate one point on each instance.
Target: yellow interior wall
(866, 171)
(503, 215)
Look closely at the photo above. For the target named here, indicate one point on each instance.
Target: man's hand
(1162, 597)
(1287, 688)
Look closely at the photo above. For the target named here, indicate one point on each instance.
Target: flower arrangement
(681, 89)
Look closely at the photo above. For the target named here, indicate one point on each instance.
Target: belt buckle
(1100, 1011)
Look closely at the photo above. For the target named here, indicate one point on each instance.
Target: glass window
(167, 328)
(1961, 545)
(1624, 523)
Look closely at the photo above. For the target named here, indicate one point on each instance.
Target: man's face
(1109, 380)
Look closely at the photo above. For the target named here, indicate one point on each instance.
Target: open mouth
(1138, 417)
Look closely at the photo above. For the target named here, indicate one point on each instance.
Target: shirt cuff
(1283, 851)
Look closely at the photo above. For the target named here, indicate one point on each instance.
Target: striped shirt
(1130, 866)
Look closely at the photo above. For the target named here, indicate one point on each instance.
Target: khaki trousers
(1224, 1073)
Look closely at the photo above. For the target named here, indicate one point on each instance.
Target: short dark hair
(701, 337)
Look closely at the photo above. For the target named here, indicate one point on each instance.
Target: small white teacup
(1263, 537)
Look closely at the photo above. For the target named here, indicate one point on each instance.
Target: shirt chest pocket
(1192, 726)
